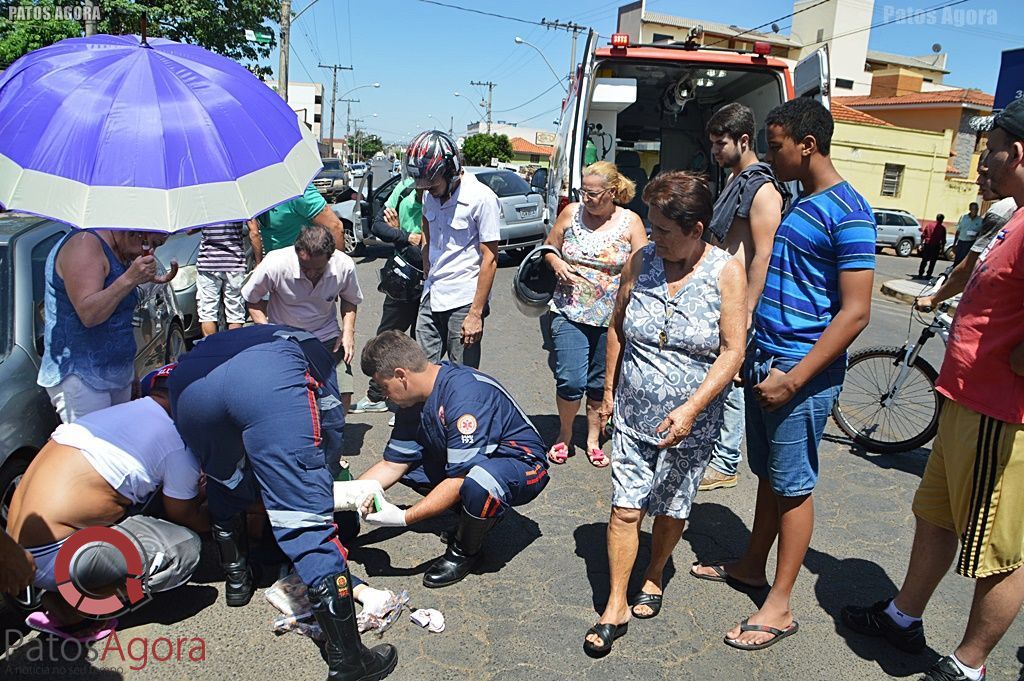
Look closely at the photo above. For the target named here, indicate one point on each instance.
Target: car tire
(175, 346)
(10, 475)
(904, 247)
(352, 247)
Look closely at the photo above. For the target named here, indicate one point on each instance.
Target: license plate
(527, 212)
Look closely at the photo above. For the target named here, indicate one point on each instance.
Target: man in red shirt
(973, 485)
(933, 242)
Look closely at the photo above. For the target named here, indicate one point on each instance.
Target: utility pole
(576, 29)
(348, 122)
(284, 45)
(490, 91)
(90, 18)
(334, 92)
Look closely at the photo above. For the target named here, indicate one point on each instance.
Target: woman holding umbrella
(89, 356)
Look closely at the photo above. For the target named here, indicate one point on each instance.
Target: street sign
(261, 37)
(1010, 85)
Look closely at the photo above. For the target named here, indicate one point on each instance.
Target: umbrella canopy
(119, 132)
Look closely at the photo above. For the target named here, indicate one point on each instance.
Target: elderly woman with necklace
(596, 238)
(675, 343)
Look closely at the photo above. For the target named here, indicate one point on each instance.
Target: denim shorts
(782, 445)
(579, 357)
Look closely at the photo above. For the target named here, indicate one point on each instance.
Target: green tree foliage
(217, 25)
(478, 150)
(21, 36)
(365, 144)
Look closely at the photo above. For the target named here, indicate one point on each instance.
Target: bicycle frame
(939, 326)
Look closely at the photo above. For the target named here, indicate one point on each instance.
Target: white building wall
(303, 98)
(847, 53)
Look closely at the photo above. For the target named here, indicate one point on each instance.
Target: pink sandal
(559, 453)
(597, 458)
(83, 632)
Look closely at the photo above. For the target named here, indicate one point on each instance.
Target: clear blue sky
(421, 53)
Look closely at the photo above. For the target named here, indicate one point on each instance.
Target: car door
(885, 229)
(567, 158)
(811, 76)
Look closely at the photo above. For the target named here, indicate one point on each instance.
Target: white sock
(970, 672)
(901, 619)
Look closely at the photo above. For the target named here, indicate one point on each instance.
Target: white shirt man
(463, 230)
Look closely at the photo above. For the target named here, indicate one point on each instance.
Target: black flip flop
(652, 601)
(724, 577)
(777, 635)
(609, 633)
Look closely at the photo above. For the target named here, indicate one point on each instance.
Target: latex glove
(389, 515)
(375, 601)
(349, 495)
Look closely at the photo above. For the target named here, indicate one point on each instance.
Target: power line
(769, 23)
(542, 113)
(477, 11)
(530, 101)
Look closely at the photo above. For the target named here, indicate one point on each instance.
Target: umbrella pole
(142, 24)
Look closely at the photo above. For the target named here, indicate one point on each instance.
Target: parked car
(522, 209)
(897, 229)
(357, 170)
(332, 180)
(26, 415)
(184, 248)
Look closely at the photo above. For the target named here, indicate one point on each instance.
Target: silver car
(522, 209)
(898, 230)
(26, 416)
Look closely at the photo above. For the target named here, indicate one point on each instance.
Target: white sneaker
(391, 421)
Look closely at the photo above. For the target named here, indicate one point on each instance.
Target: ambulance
(645, 108)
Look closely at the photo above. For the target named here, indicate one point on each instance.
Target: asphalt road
(544, 578)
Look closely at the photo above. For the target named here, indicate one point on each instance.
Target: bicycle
(888, 403)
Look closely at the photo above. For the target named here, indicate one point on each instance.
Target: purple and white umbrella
(125, 133)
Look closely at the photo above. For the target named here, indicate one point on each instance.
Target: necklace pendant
(662, 339)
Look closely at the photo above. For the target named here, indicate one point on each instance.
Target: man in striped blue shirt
(816, 301)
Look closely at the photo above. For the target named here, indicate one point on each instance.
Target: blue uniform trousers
(254, 423)
(493, 485)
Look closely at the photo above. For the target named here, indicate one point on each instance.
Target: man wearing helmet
(460, 250)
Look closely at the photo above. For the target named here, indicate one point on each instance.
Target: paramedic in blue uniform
(251, 403)
(464, 435)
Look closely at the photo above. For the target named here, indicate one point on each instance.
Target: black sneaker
(947, 670)
(872, 621)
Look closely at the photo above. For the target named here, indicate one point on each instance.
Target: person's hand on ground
(775, 390)
(472, 328)
(17, 566)
(676, 426)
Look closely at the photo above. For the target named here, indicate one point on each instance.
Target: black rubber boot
(233, 545)
(347, 658)
(463, 551)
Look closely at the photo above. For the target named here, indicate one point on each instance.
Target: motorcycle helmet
(534, 283)
(400, 279)
(430, 155)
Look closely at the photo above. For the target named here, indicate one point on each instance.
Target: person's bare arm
(953, 285)
(637, 234)
(473, 325)
(425, 247)
(256, 239)
(84, 267)
(348, 329)
(258, 312)
(613, 352)
(853, 316)
(732, 283)
(765, 216)
(556, 238)
(190, 513)
(439, 500)
(326, 218)
(387, 473)
(17, 566)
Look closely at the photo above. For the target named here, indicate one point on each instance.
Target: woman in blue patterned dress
(676, 341)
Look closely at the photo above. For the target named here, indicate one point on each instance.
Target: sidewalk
(909, 289)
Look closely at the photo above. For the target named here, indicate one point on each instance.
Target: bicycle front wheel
(911, 417)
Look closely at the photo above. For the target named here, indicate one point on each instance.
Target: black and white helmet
(431, 155)
(534, 283)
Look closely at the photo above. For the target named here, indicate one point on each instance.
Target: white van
(645, 108)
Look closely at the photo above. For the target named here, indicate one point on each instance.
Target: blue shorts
(579, 358)
(782, 445)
